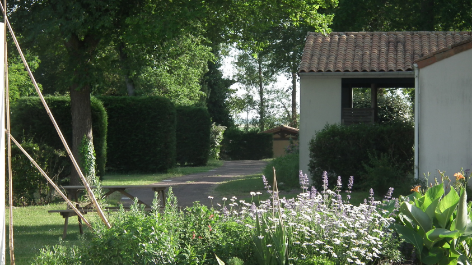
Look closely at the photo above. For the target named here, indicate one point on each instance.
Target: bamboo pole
(51, 182)
(58, 130)
(7, 110)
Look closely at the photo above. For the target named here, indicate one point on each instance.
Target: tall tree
(218, 93)
(254, 72)
(397, 15)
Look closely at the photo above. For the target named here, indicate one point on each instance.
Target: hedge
(193, 135)
(29, 120)
(240, 145)
(141, 133)
(345, 150)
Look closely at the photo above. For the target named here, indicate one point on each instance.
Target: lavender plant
(320, 224)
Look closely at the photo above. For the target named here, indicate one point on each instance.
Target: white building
(332, 64)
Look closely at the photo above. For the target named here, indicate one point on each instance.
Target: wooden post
(373, 97)
(2, 147)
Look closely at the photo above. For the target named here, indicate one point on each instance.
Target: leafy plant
(438, 225)
(29, 186)
(216, 136)
(287, 171)
(383, 172)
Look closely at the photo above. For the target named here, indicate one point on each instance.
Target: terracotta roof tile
(373, 51)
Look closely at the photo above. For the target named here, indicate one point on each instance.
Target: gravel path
(197, 187)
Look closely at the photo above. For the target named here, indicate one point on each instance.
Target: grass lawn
(35, 228)
(145, 179)
(243, 186)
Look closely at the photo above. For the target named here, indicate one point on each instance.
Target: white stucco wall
(445, 116)
(320, 103)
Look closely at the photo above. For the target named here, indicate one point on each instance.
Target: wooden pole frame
(58, 130)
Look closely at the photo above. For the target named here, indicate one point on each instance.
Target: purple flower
(339, 183)
(325, 181)
(304, 182)
(389, 193)
(266, 183)
(350, 184)
(313, 192)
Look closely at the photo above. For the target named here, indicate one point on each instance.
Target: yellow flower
(459, 176)
(416, 188)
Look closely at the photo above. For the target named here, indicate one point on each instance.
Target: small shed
(281, 138)
(335, 63)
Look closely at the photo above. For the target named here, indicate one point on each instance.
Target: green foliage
(438, 225)
(240, 145)
(193, 132)
(141, 133)
(218, 91)
(30, 187)
(398, 15)
(392, 107)
(30, 120)
(59, 255)
(216, 136)
(87, 154)
(19, 82)
(383, 172)
(287, 171)
(176, 70)
(342, 150)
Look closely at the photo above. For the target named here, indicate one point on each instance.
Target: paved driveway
(197, 187)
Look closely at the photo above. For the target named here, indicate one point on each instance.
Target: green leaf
(415, 213)
(440, 233)
(433, 256)
(462, 219)
(434, 193)
(431, 208)
(446, 208)
(220, 262)
(410, 236)
(467, 230)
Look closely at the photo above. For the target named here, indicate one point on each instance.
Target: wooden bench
(66, 213)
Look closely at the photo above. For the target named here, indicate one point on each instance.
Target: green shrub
(286, 169)
(342, 150)
(240, 145)
(192, 135)
(30, 187)
(383, 172)
(141, 133)
(29, 120)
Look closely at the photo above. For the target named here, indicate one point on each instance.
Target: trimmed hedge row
(345, 150)
(141, 133)
(193, 135)
(240, 145)
(30, 121)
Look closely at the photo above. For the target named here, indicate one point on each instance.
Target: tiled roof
(373, 51)
(445, 53)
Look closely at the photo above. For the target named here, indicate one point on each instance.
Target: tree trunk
(81, 125)
(261, 96)
(294, 100)
(124, 65)
(81, 52)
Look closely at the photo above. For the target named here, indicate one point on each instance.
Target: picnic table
(72, 192)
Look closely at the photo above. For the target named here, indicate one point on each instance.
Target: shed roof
(282, 129)
(374, 51)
